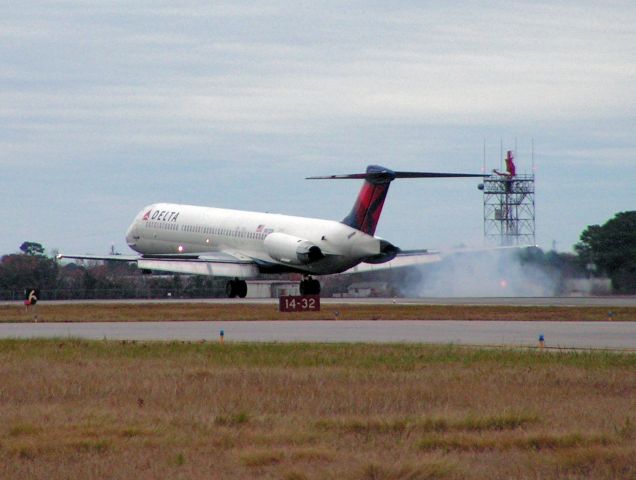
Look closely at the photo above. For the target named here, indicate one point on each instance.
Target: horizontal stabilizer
(436, 175)
(352, 176)
(377, 173)
(366, 211)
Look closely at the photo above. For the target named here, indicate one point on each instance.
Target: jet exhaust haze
(499, 273)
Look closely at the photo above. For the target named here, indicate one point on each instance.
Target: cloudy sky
(108, 106)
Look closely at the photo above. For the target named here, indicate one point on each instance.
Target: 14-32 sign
(299, 303)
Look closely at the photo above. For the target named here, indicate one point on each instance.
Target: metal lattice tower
(509, 217)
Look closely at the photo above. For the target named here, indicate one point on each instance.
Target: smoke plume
(496, 273)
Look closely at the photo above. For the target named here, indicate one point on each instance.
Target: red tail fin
(365, 213)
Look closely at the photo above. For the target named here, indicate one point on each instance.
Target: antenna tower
(509, 217)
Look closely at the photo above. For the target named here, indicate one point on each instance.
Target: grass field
(97, 409)
(123, 312)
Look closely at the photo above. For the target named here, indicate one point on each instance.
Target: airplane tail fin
(365, 214)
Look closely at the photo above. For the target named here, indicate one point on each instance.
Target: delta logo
(161, 216)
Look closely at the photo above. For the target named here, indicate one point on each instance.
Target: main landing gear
(236, 288)
(309, 286)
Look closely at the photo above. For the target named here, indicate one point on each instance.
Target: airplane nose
(130, 236)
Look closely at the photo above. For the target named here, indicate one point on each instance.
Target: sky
(108, 106)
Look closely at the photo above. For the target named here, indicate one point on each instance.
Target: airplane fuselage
(275, 242)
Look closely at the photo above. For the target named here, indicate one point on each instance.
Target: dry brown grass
(82, 409)
(126, 312)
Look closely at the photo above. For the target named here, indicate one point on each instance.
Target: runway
(597, 335)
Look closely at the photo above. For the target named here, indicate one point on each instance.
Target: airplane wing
(410, 258)
(221, 264)
(406, 258)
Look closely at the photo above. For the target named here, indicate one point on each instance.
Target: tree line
(91, 279)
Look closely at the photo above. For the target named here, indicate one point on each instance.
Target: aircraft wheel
(241, 288)
(309, 286)
(231, 289)
(315, 287)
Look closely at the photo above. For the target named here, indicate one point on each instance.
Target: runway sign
(299, 303)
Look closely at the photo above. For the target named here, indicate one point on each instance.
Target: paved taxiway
(606, 335)
(619, 335)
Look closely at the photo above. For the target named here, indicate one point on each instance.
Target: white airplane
(241, 244)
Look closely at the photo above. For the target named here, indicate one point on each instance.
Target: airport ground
(105, 409)
(508, 309)
(72, 408)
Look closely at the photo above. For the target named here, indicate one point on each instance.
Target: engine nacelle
(292, 250)
(388, 251)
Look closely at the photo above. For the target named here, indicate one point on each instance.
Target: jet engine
(388, 251)
(292, 250)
